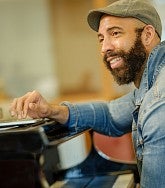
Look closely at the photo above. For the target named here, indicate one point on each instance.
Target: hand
(35, 106)
(32, 104)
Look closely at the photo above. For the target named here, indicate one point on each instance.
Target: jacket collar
(155, 62)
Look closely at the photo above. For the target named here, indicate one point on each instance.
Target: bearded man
(129, 33)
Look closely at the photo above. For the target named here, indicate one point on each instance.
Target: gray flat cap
(139, 9)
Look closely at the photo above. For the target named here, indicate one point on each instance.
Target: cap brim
(94, 16)
(94, 19)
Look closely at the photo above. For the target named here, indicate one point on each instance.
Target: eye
(115, 33)
(101, 40)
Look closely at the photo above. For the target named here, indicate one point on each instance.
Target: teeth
(115, 59)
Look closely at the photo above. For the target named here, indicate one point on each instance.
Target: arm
(153, 147)
(151, 137)
(110, 118)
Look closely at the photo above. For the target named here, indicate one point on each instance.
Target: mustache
(112, 54)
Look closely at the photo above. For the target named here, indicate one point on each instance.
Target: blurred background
(46, 45)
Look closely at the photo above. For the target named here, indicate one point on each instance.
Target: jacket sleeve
(110, 118)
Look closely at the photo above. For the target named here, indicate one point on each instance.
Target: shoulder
(156, 94)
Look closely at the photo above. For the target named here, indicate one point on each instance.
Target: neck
(139, 76)
(154, 42)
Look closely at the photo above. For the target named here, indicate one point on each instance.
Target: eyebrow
(110, 29)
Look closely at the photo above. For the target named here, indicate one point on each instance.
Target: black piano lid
(34, 137)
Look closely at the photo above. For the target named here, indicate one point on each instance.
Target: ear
(148, 35)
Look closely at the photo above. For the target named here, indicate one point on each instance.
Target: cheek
(118, 43)
(121, 43)
(124, 44)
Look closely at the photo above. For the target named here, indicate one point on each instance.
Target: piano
(47, 154)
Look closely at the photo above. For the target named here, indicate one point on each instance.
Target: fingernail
(23, 114)
(12, 113)
(19, 116)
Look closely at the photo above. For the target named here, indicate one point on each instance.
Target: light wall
(160, 5)
(47, 45)
(27, 60)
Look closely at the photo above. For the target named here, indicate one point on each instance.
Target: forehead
(108, 21)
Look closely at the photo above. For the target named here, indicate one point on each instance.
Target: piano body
(42, 155)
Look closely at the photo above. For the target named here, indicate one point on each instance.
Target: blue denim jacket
(141, 112)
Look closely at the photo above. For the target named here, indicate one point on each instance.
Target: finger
(33, 115)
(34, 111)
(21, 102)
(29, 103)
(13, 108)
(26, 108)
(32, 106)
(28, 98)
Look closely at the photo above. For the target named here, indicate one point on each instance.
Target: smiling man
(129, 33)
(124, 59)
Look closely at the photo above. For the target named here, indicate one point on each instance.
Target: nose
(106, 46)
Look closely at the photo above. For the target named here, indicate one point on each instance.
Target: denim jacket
(141, 112)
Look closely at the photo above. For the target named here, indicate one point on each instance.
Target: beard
(133, 62)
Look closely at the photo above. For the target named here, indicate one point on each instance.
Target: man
(129, 32)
